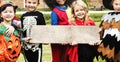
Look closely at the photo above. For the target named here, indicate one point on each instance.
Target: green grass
(96, 17)
(46, 56)
(97, 23)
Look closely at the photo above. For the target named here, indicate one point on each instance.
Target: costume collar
(112, 15)
(62, 8)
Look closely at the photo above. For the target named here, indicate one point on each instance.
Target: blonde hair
(83, 5)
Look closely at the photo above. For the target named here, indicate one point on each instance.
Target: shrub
(47, 18)
(18, 15)
(44, 9)
(96, 17)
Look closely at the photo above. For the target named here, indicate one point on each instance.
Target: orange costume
(9, 46)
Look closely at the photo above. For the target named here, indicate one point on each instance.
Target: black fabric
(114, 13)
(112, 42)
(38, 16)
(86, 52)
(30, 55)
(108, 4)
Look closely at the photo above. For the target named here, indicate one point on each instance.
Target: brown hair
(52, 3)
(37, 1)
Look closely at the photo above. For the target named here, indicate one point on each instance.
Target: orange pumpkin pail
(9, 51)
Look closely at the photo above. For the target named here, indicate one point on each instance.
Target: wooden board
(64, 34)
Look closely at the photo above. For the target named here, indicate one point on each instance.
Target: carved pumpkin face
(9, 51)
(13, 48)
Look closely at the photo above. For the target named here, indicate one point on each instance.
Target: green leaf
(99, 59)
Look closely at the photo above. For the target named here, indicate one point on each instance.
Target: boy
(32, 51)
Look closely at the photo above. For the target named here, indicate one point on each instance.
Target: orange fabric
(2, 48)
(9, 51)
(106, 51)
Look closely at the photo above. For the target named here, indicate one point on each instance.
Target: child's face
(61, 2)
(31, 5)
(116, 5)
(8, 14)
(79, 12)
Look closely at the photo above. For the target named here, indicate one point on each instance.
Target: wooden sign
(64, 34)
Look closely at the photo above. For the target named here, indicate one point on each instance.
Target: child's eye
(29, 2)
(76, 10)
(116, 3)
(5, 11)
(34, 2)
(11, 11)
(8, 11)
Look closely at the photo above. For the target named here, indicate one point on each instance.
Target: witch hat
(108, 4)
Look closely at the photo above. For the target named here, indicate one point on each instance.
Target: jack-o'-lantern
(11, 49)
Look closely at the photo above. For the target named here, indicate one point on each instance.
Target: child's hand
(27, 39)
(74, 43)
(91, 43)
(97, 43)
(73, 23)
(9, 31)
(100, 29)
(94, 43)
(64, 43)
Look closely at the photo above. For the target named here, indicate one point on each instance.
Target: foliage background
(96, 17)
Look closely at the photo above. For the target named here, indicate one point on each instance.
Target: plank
(64, 34)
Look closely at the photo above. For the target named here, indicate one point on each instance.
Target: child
(16, 23)
(86, 52)
(32, 51)
(58, 17)
(1, 3)
(10, 44)
(110, 32)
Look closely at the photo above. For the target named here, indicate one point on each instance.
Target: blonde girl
(80, 17)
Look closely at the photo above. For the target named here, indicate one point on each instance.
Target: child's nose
(31, 4)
